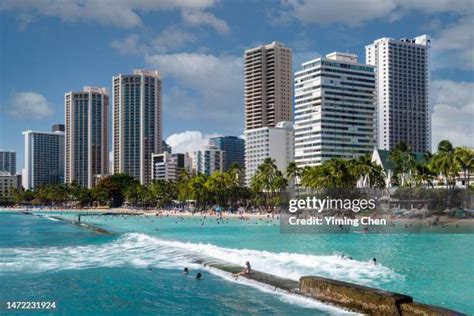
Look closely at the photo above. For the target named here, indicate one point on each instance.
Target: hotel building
(208, 160)
(8, 182)
(334, 109)
(87, 155)
(44, 158)
(268, 91)
(8, 161)
(268, 142)
(137, 123)
(233, 148)
(403, 105)
(167, 166)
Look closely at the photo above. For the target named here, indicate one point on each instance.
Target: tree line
(267, 186)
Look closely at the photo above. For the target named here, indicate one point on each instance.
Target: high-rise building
(167, 166)
(87, 155)
(8, 161)
(166, 147)
(44, 158)
(403, 103)
(208, 160)
(268, 142)
(268, 86)
(334, 109)
(58, 128)
(233, 148)
(137, 123)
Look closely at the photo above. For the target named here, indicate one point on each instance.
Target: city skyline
(211, 48)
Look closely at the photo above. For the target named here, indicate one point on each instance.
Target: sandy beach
(153, 212)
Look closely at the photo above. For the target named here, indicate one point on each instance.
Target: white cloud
(188, 141)
(171, 38)
(130, 45)
(209, 87)
(29, 105)
(453, 114)
(352, 12)
(453, 46)
(120, 13)
(198, 17)
(356, 12)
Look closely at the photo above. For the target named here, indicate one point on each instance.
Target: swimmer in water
(198, 276)
(186, 271)
(374, 260)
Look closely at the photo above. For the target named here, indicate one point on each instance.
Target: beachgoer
(246, 270)
(186, 271)
(198, 276)
(374, 260)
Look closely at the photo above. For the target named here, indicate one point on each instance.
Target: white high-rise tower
(403, 103)
(334, 109)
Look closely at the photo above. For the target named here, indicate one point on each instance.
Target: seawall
(367, 300)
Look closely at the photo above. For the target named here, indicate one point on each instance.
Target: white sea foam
(140, 250)
(53, 219)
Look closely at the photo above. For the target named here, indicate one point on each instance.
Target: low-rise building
(8, 182)
(208, 160)
(268, 142)
(167, 166)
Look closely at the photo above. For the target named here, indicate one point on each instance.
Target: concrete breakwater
(353, 297)
(367, 300)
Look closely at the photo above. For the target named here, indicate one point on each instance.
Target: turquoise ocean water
(137, 269)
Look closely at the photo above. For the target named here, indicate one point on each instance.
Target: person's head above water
(199, 275)
(186, 270)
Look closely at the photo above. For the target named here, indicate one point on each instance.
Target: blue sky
(51, 47)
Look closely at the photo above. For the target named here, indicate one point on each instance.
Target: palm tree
(423, 173)
(339, 173)
(312, 177)
(404, 162)
(293, 172)
(445, 162)
(464, 156)
(268, 181)
(371, 174)
(198, 190)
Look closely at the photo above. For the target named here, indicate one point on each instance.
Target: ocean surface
(137, 269)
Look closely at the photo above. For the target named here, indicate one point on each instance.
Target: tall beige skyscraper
(87, 153)
(268, 86)
(137, 123)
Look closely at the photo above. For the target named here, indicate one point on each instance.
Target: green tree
(445, 162)
(404, 162)
(464, 157)
(114, 186)
(371, 174)
(198, 190)
(268, 181)
(423, 174)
